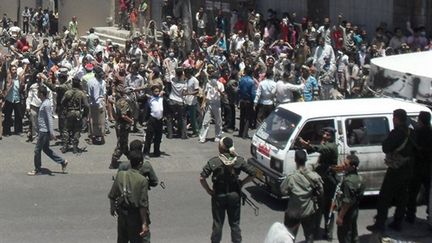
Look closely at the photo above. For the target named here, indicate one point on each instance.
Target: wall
(290, 6)
(367, 14)
(10, 7)
(90, 13)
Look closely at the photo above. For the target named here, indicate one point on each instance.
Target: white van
(361, 125)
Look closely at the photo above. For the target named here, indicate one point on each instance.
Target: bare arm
(206, 186)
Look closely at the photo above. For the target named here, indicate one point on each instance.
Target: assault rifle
(335, 202)
(246, 199)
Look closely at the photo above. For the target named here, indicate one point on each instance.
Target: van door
(311, 131)
(364, 136)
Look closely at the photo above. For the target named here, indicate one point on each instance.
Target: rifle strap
(311, 182)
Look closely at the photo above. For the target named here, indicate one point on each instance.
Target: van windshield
(278, 127)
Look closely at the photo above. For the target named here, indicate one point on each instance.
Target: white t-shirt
(191, 86)
(156, 107)
(211, 90)
(177, 88)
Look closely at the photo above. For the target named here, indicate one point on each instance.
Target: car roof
(363, 106)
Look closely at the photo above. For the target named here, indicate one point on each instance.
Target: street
(73, 207)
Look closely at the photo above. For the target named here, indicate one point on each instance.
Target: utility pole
(187, 22)
(18, 13)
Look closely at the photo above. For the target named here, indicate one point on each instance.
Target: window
(278, 127)
(366, 131)
(312, 131)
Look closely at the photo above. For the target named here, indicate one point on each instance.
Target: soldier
(422, 165)
(400, 141)
(60, 89)
(124, 120)
(328, 157)
(129, 202)
(351, 191)
(303, 188)
(226, 192)
(146, 168)
(76, 106)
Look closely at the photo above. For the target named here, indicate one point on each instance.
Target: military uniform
(146, 170)
(76, 107)
(328, 156)
(122, 127)
(396, 180)
(302, 207)
(227, 194)
(129, 221)
(352, 188)
(60, 111)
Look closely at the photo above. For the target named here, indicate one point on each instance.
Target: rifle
(246, 199)
(335, 202)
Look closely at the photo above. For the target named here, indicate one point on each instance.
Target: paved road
(74, 208)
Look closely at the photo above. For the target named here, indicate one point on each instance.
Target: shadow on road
(262, 197)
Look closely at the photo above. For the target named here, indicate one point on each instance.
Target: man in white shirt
(264, 98)
(323, 51)
(201, 19)
(192, 90)
(284, 89)
(154, 124)
(176, 106)
(97, 91)
(213, 91)
(33, 103)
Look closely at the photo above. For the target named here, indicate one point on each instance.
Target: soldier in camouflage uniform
(328, 157)
(351, 191)
(76, 107)
(124, 120)
(60, 89)
(302, 187)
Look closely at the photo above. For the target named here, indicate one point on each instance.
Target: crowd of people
(178, 86)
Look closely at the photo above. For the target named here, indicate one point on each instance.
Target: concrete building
(366, 13)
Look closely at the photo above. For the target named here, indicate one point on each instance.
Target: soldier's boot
(156, 152)
(65, 148)
(114, 164)
(75, 149)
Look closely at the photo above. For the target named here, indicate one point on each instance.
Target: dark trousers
(42, 144)
(192, 113)
(421, 177)
(153, 135)
(129, 228)
(308, 224)
(176, 115)
(347, 233)
(122, 147)
(325, 203)
(16, 108)
(263, 112)
(394, 188)
(246, 117)
(229, 203)
(229, 116)
(25, 26)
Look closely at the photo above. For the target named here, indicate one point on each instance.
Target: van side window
(312, 130)
(366, 131)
